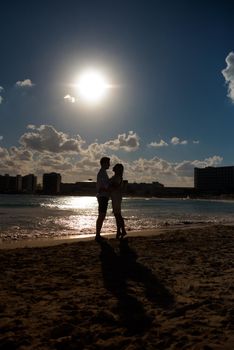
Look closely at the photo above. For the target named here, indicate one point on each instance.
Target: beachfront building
(10, 184)
(214, 179)
(51, 183)
(29, 183)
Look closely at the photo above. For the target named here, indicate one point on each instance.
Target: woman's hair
(118, 168)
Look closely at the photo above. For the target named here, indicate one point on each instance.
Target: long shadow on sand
(118, 270)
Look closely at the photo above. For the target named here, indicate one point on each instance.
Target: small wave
(24, 205)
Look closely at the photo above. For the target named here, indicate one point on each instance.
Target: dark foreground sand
(172, 291)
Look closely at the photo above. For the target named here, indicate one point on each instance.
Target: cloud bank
(47, 139)
(44, 149)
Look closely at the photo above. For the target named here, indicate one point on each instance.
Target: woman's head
(118, 169)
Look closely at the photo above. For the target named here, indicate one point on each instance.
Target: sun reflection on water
(82, 203)
(77, 222)
(74, 203)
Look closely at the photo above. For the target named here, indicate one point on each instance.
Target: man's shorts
(102, 204)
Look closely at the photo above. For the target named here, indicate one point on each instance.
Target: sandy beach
(173, 290)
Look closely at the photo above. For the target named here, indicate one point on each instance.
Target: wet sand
(173, 290)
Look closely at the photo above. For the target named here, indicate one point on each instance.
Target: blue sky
(170, 107)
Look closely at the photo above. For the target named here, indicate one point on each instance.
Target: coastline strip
(47, 242)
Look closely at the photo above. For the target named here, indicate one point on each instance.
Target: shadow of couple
(123, 275)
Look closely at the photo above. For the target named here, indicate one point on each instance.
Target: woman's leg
(121, 232)
(122, 225)
(118, 225)
(116, 210)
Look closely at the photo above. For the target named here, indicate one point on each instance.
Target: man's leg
(102, 209)
(99, 222)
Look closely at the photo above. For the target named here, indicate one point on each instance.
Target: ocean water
(32, 216)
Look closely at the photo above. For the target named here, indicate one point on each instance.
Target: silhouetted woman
(116, 184)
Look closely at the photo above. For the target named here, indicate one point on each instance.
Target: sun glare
(92, 86)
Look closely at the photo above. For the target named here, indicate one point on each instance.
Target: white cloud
(47, 138)
(168, 173)
(16, 161)
(1, 90)
(155, 169)
(211, 161)
(94, 151)
(24, 83)
(228, 74)
(186, 168)
(31, 126)
(20, 154)
(162, 143)
(58, 163)
(3, 152)
(152, 165)
(70, 98)
(127, 142)
(1, 138)
(176, 141)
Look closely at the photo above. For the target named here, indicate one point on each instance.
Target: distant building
(51, 183)
(219, 179)
(29, 183)
(17, 184)
(4, 183)
(10, 184)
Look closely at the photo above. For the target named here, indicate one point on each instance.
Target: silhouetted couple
(110, 188)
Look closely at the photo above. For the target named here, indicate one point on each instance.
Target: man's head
(105, 162)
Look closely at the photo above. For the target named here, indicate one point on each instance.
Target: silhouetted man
(102, 194)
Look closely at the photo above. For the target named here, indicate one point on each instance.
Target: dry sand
(170, 291)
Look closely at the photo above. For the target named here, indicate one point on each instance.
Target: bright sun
(92, 86)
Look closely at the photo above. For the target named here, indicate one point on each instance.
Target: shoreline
(48, 242)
